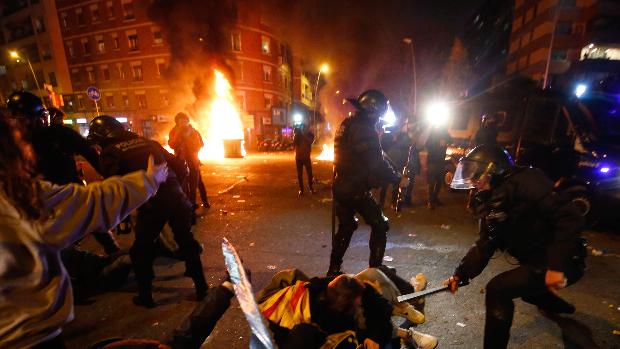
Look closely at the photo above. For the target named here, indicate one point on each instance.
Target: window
(559, 55)
(46, 52)
(80, 17)
(91, 74)
(265, 45)
(568, 3)
(105, 72)
(111, 12)
(266, 73)
(81, 104)
(115, 42)
(53, 80)
(38, 24)
(158, 39)
(120, 70)
(268, 101)
(95, 14)
(161, 66)
(235, 41)
(132, 40)
(85, 46)
(100, 44)
(75, 76)
(136, 71)
(141, 99)
(64, 20)
(109, 100)
(125, 99)
(128, 10)
(564, 28)
(164, 97)
(239, 71)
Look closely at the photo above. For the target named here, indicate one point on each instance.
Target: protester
(186, 142)
(39, 220)
(436, 146)
(522, 215)
(123, 152)
(302, 143)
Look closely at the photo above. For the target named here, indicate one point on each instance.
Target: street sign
(93, 93)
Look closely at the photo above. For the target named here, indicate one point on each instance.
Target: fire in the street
(327, 154)
(219, 121)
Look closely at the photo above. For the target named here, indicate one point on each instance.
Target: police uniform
(523, 216)
(125, 152)
(360, 166)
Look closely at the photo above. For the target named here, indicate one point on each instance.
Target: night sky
(363, 40)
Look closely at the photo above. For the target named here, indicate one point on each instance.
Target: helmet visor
(467, 173)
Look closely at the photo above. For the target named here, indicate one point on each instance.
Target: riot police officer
(522, 215)
(55, 146)
(124, 152)
(359, 167)
(487, 133)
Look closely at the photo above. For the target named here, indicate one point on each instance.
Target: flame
(219, 121)
(327, 154)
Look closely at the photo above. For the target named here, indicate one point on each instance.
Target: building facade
(30, 29)
(262, 64)
(560, 42)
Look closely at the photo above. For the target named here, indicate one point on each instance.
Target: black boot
(145, 296)
(334, 270)
(193, 269)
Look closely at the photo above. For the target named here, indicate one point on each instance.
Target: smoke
(197, 32)
(362, 41)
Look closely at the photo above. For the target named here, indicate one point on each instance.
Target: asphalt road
(274, 229)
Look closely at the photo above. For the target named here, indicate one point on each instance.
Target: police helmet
(25, 105)
(373, 102)
(485, 159)
(179, 116)
(56, 116)
(103, 127)
(487, 119)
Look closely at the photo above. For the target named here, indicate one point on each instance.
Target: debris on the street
(323, 245)
(445, 226)
(482, 290)
(388, 258)
(236, 196)
(155, 323)
(616, 332)
(223, 212)
(271, 267)
(252, 244)
(324, 200)
(241, 201)
(412, 235)
(460, 324)
(595, 252)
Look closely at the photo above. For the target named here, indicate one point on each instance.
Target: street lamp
(324, 69)
(414, 77)
(16, 57)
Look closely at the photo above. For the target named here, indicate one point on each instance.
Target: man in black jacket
(302, 142)
(360, 166)
(124, 152)
(523, 216)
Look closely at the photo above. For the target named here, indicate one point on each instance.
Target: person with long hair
(39, 219)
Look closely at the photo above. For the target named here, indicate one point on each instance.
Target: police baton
(430, 291)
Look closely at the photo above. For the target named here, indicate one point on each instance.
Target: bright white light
(121, 119)
(604, 169)
(389, 118)
(591, 46)
(81, 121)
(580, 90)
(438, 113)
(67, 122)
(297, 118)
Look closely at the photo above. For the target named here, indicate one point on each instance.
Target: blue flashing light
(580, 90)
(604, 169)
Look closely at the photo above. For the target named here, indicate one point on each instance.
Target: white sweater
(35, 293)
